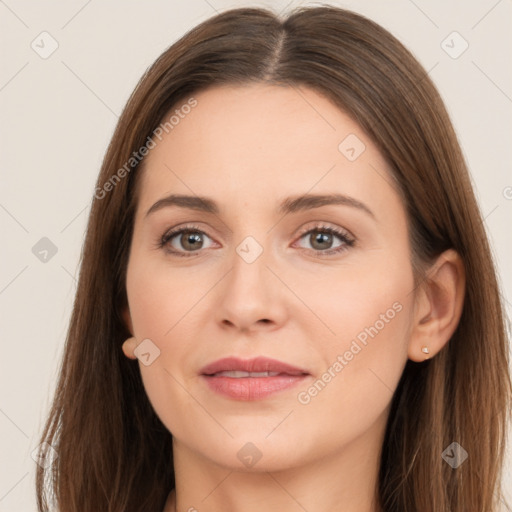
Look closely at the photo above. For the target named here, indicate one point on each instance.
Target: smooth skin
(248, 148)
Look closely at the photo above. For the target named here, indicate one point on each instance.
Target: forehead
(243, 142)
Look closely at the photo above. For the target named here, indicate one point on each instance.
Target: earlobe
(129, 346)
(439, 304)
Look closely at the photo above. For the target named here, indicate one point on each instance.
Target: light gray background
(58, 114)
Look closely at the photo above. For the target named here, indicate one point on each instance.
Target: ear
(438, 306)
(129, 346)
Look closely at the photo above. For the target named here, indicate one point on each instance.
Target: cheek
(368, 310)
(365, 299)
(159, 298)
(162, 310)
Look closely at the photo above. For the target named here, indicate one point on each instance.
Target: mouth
(251, 379)
(238, 374)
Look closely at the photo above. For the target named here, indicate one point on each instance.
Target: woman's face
(269, 269)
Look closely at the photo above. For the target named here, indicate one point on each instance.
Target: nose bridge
(249, 266)
(252, 249)
(248, 294)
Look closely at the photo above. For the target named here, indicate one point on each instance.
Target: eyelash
(347, 240)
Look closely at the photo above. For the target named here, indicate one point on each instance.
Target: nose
(251, 297)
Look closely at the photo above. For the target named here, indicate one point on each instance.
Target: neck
(345, 481)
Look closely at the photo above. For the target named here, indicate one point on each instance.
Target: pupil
(190, 240)
(322, 238)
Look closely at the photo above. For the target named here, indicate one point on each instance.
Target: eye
(322, 240)
(188, 239)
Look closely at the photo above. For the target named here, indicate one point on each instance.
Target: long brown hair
(113, 452)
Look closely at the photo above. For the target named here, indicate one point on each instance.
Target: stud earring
(425, 350)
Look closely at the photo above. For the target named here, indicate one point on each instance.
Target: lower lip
(252, 388)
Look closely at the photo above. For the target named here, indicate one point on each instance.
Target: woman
(287, 299)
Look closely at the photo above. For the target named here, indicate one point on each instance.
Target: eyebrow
(288, 205)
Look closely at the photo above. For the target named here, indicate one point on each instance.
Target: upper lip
(257, 364)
